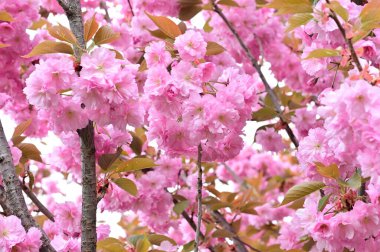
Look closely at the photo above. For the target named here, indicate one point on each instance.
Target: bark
(14, 199)
(199, 198)
(73, 12)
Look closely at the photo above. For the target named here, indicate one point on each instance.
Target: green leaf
(143, 245)
(180, 206)
(136, 144)
(214, 48)
(264, 114)
(355, 181)
(188, 246)
(105, 35)
(166, 25)
(135, 164)
(323, 202)
(49, 46)
(133, 239)
(291, 6)
(156, 239)
(369, 18)
(297, 20)
(331, 171)
(127, 185)
(110, 245)
(228, 3)
(321, 53)
(339, 9)
(302, 190)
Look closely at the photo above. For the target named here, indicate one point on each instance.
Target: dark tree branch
(199, 198)
(73, 12)
(37, 202)
(257, 66)
(103, 5)
(14, 199)
(130, 7)
(239, 244)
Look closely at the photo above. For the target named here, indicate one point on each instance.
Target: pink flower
(32, 242)
(270, 140)
(16, 155)
(190, 45)
(156, 55)
(11, 231)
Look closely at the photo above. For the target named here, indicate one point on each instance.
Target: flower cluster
(190, 106)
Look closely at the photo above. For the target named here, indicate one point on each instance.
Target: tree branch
(193, 225)
(347, 40)
(37, 202)
(240, 245)
(257, 66)
(73, 12)
(3, 202)
(199, 197)
(14, 199)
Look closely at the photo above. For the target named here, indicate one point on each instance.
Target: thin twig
(130, 7)
(257, 66)
(347, 40)
(240, 245)
(236, 177)
(192, 224)
(199, 197)
(37, 202)
(103, 5)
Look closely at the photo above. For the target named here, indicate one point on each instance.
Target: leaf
(166, 25)
(214, 48)
(127, 185)
(135, 164)
(110, 245)
(355, 181)
(31, 180)
(4, 45)
(323, 202)
(143, 245)
(264, 114)
(321, 53)
(180, 206)
(133, 239)
(106, 160)
(291, 6)
(5, 16)
(188, 246)
(136, 144)
(221, 233)
(39, 24)
(156, 239)
(369, 18)
(20, 129)
(297, 20)
(228, 3)
(118, 54)
(331, 171)
(188, 12)
(301, 190)
(62, 33)
(339, 9)
(105, 35)
(49, 46)
(29, 151)
(90, 28)
(17, 139)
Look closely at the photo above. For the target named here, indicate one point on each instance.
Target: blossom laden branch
(257, 66)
